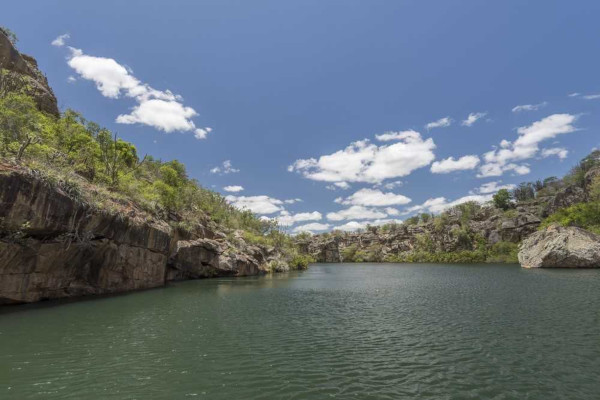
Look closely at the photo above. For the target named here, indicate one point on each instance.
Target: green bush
(582, 215)
(301, 261)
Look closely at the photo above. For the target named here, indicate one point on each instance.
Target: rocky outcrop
(327, 251)
(206, 258)
(566, 197)
(19, 73)
(561, 247)
(54, 245)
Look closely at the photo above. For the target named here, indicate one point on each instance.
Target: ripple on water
(335, 331)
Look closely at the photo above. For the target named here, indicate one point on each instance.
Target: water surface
(367, 331)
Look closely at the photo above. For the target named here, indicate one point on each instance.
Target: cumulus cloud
(60, 40)
(438, 204)
(492, 187)
(591, 96)
(159, 109)
(292, 201)
(356, 212)
(374, 197)
(440, 123)
(202, 133)
(526, 146)
(256, 204)
(529, 107)
(392, 136)
(311, 228)
(287, 219)
(392, 185)
(560, 152)
(338, 185)
(450, 164)
(352, 226)
(472, 118)
(225, 168)
(233, 188)
(363, 161)
(71, 79)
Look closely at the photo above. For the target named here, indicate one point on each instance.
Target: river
(359, 331)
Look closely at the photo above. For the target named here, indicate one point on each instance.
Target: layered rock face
(561, 247)
(53, 245)
(20, 73)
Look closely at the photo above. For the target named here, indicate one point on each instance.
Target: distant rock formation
(19, 73)
(489, 223)
(561, 247)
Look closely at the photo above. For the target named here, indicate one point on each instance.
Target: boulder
(561, 247)
(207, 258)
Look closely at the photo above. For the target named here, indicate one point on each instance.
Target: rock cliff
(54, 245)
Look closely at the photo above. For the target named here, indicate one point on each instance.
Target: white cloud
(493, 187)
(392, 185)
(473, 117)
(366, 162)
(233, 188)
(292, 201)
(60, 40)
(529, 107)
(438, 204)
(560, 152)
(391, 211)
(575, 94)
(450, 164)
(374, 197)
(526, 146)
(287, 219)
(591, 96)
(312, 227)
(356, 212)
(393, 136)
(225, 168)
(440, 123)
(355, 225)
(164, 115)
(162, 110)
(201, 133)
(71, 79)
(256, 204)
(339, 185)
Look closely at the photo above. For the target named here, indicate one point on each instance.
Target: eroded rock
(561, 247)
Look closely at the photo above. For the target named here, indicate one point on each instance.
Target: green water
(387, 331)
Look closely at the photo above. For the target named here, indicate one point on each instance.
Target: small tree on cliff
(502, 199)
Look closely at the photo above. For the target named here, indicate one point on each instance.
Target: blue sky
(274, 93)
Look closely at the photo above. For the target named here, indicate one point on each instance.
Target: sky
(332, 114)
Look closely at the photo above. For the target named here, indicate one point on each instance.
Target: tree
(525, 191)
(21, 124)
(502, 199)
(117, 156)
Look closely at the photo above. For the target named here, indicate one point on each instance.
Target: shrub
(502, 199)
